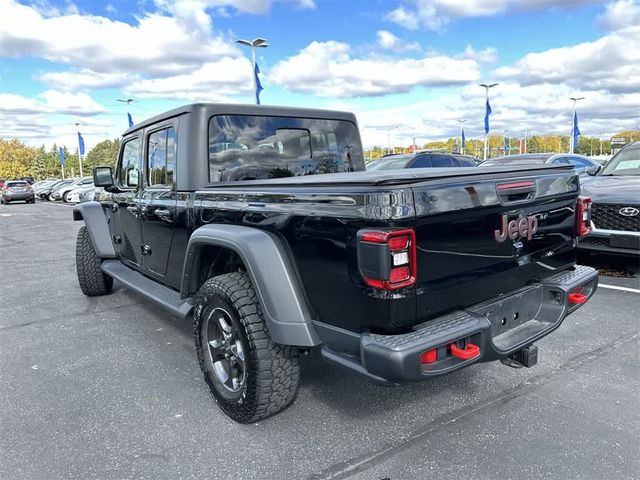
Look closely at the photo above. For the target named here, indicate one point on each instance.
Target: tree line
(20, 160)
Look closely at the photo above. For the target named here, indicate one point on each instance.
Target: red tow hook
(471, 351)
(577, 298)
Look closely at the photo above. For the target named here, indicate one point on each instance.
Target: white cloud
(328, 69)
(85, 78)
(435, 14)
(50, 101)
(620, 14)
(156, 45)
(486, 55)
(214, 81)
(388, 41)
(611, 63)
(540, 109)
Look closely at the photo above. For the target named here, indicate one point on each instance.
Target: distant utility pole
(486, 115)
(255, 43)
(573, 121)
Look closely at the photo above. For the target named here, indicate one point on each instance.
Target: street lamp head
(259, 42)
(575, 99)
(125, 100)
(488, 86)
(244, 42)
(262, 45)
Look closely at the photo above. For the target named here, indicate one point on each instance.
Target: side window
(422, 161)
(161, 158)
(442, 161)
(560, 161)
(128, 171)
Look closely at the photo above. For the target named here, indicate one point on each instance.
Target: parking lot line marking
(615, 287)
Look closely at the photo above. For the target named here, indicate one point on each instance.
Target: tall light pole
(462, 139)
(128, 101)
(486, 129)
(255, 43)
(79, 154)
(573, 121)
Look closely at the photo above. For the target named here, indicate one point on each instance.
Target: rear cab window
(161, 158)
(253, 147)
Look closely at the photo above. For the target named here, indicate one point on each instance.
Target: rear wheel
(93, 281)
(249, 376)
(65, 197)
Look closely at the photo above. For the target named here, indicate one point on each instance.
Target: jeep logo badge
(629, 211)
(521, 227)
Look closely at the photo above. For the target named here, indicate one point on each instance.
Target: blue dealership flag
(259, 88)
(576, 130)
(80, 144)
(61, 155)
(463, 139)
(506, 146)
(486, 117)
(130, 120)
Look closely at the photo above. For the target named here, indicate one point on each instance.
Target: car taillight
(583, 216)
(387, 259)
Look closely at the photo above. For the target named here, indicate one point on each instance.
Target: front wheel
(93, 281)
(249, 376)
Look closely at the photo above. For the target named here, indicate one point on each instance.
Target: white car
(63, 193)
(80, 194)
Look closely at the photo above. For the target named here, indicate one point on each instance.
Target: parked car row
(71, 190)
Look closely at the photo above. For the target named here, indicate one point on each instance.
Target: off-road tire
(272, 370)
(93, 281)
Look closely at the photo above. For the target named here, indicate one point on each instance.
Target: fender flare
(94, 218)
(272, 273)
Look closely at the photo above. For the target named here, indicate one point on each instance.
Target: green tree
(104, 154)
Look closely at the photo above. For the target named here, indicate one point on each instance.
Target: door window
(161, 158)
(128, 171)
(560, 161)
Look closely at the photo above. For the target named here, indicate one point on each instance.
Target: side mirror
(102, 177)
(593, 171)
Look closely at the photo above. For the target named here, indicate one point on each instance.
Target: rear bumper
(19, 196)
(499, 327)
(611, 241)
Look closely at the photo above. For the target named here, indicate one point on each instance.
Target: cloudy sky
(409, 65)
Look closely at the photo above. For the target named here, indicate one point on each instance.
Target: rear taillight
(583, 216)
(387, 259)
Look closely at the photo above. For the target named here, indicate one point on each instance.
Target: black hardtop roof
(210, 109)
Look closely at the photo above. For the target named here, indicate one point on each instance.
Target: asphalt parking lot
(110, 387)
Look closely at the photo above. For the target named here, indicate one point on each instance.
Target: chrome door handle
(163, 214)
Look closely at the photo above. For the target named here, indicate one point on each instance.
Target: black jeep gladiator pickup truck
(262, 225)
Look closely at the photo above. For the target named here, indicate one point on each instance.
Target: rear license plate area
(510, 312)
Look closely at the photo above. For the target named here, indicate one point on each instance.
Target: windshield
(17, 184)
(252, 147)
(390, 163)
(626, 162)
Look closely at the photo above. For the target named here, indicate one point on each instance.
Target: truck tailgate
(478, 238)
